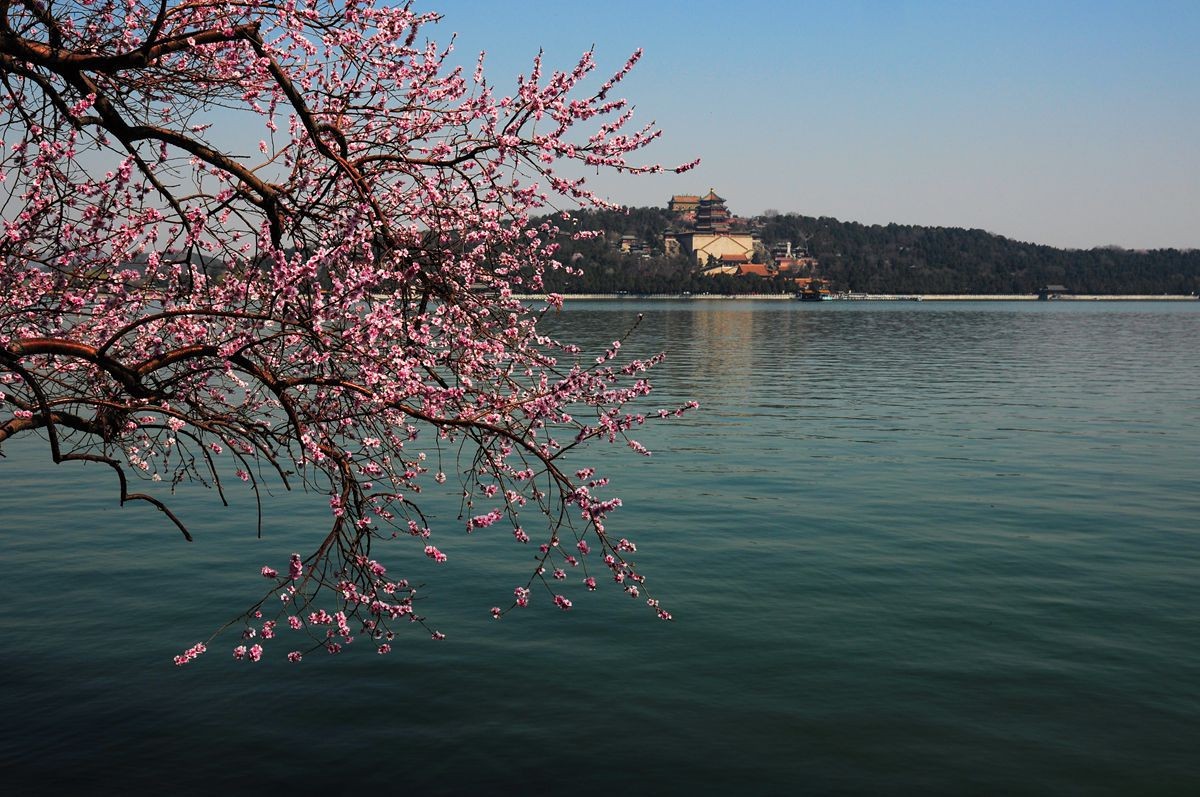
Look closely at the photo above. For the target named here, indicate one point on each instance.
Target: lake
(935, 548)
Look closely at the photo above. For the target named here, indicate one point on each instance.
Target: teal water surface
(910, 548)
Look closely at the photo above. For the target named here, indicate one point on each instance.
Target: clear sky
(1074, 124)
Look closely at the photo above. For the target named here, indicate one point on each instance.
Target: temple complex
(706, 232)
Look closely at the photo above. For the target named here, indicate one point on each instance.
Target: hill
(891, 258)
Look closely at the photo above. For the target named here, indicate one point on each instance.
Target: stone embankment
(1025, 297)
(662, 296)
(927, 297)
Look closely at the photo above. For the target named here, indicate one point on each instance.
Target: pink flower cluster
(377, 248)
(253, 653)
(190, 654)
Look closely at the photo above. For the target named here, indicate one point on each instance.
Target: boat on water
(814, 292)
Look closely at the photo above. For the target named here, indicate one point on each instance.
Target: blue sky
(1071, 124)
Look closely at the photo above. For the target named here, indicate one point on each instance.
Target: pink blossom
(190, 654)
(483, 521)
(344, 346)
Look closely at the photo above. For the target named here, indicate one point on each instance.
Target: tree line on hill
(893, 258)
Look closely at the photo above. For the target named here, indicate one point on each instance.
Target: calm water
(909, 548)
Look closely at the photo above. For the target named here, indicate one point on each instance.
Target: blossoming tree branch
(330, 307)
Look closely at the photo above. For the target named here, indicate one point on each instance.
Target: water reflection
(909, 548)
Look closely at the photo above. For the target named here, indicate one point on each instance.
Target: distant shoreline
(875, 297)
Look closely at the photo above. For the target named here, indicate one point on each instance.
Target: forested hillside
(888, 259)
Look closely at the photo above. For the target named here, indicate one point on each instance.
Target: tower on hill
(706, 232)
(711, 214)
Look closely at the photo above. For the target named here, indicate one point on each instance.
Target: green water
(909, 548)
